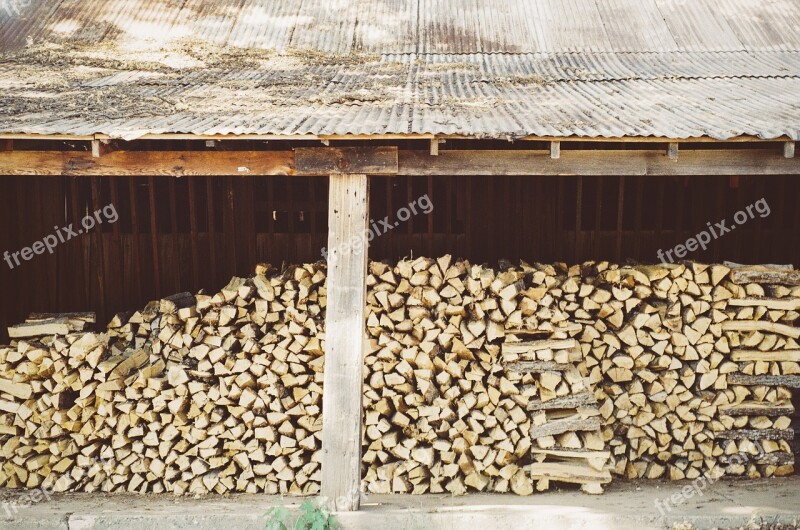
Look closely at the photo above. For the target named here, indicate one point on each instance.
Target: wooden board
(345, 340)
(567, 402)
(148, 163)
(771, 356)
(537, 366)
(410, 163)
(336, 160)
(570, 424)
(758, 325)
(791, 381)
(538, 345)
(765, 275)
(569, 472)
(59, 326)
(782, 304)
(756, 434)
(757, 408)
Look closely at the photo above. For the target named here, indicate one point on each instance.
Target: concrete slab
(625, 505)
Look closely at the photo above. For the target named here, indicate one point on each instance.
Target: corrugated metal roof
(589, 68)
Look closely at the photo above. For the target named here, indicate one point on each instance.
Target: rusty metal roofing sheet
(668, 68)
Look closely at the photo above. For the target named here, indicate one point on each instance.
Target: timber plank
(342, 160)
(792, 381)
(345, 340)
(574, 401)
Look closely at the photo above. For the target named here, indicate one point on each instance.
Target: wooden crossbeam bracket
(672, 151)
(435, 145)
(788, 149)
(555, 150)
(101, 147)
(346, 160)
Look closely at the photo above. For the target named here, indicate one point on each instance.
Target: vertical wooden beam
(788, 149)
(345, 340)
(555, 150)
(672, 151)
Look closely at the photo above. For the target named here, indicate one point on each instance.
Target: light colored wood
(757, 408)
(757, 325)
(410, 163)
(345, 340)
(771, 356)
(58, 326)
(555, 149)
(785, 304)
(765, 275)
(672, 151)
(597, 163)
(788, 149)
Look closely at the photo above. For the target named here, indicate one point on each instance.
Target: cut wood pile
(206, 393)
(485, 379)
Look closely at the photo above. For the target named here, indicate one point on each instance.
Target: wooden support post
(345, 340)
(555, 150)
(788, 149)
(672, 151)
(434, 147)
(100, 148)
(6, 145)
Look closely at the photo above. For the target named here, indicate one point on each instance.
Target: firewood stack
(757, 407)
(214, 393)
(567, 443)
(441, 413)
(687, 365)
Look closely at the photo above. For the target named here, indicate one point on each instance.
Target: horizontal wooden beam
(413, 163)
(147, 163)
(346, 160)
(599, 162)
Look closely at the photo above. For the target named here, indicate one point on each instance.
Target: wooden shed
(223, 134)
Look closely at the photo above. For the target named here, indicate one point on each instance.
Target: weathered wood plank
(772, 356)
(538, 345)
(791, 381)
(537, 366)
(757, 325)
(148, 163)
(410, 163)
(597, 163)
(569, 472)
(58, 326)
(779, 458)
(345, 340)
(574, 401)
(758, 408)
(765, 275)
(570, 424)
(782, 304)
(756, 434)
(335, 160)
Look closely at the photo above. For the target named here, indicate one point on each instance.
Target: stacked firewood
(476, 379)
(441, 413)
(567, 443)
(756, 409)
(207, 393)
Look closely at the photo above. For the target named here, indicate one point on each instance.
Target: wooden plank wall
(191, 233)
